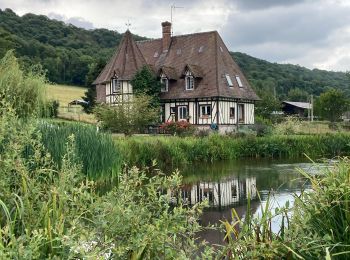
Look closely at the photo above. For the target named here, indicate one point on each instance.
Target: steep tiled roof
(204, 54)
(169, 72)
(207, 57)
(126, 61)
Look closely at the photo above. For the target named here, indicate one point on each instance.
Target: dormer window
(189, 80)
(165, 84)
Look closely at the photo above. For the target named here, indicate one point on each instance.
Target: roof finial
(128, 24)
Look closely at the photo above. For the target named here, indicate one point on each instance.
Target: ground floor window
(232, 112)
(182, 113)
(204, 110)
(241, 113)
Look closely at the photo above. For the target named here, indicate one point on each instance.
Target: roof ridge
(178, 36)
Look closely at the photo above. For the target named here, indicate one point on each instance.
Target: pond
(226, 185)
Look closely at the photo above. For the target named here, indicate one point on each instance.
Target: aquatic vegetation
(96, 151)
(318, 228)
(174, 151)
(50, 212)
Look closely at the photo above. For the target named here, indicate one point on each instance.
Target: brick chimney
(166, 26)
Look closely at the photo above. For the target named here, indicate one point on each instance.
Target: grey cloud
(77, 21)
(263, 4)
(80, 22)
(301, 24)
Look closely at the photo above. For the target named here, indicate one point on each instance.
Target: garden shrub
(180, 128)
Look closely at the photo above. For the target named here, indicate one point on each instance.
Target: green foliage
(290, 126)
(285, 77)
(90, 95)
(321, 219)
(50, 109)
(141, 222)
(331, 105)
(145, 82)
(95, 151)
(65, 51)
(315, 227)
(252, 237)
(24, 92)
(181, 128)
(297, 95)
(128, 117)
(178, 151)
(267, 105)
(48, 212)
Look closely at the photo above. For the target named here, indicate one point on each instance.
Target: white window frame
(205, 110)
(116, 84)
(181, 116)
(229, 81)
(189, 81)
(239, 82)
(165, 84)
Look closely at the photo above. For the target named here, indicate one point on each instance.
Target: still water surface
(227, 184)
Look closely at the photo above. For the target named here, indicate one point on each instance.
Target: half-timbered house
(201, 82)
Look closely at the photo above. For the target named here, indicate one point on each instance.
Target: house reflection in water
(223, 193)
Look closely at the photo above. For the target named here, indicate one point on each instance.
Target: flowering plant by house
(178, 128)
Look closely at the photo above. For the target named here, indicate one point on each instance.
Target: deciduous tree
(331, 105)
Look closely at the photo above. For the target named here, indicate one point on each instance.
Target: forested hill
(65, 51)
(289, 81)
(68, 53)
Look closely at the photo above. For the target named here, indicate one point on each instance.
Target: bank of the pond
(104, 155)
(166, 150)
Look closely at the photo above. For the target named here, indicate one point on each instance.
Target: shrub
(56, 213)
(128, 117)
(181, 128)
(290, 126)
(25, 93)
(50, 109)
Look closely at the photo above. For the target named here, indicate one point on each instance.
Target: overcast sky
(311, 33)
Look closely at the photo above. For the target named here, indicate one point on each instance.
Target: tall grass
(24, 92)
(318, 228)
(96, 151)
(174, 151)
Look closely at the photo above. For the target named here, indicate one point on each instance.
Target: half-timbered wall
(220, 112)
(221, 194)
(123, 95)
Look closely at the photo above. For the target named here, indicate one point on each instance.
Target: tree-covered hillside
(290, 81)
(71, 55)
(65, 51)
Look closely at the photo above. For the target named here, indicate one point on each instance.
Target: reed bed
(96, 151)
(174, 151)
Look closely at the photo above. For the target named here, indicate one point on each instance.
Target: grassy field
(65, 94)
